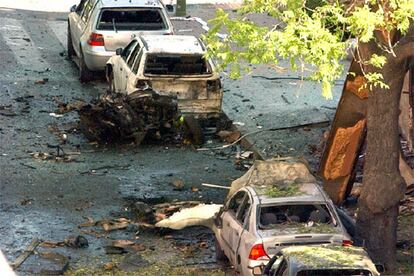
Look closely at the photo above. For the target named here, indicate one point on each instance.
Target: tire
(71, 50)
(85, 75)
(220, 256)
(193, 129)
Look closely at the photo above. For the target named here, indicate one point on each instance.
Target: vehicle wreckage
(134, 117)
(275, 204)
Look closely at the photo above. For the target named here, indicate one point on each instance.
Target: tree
(313, 35)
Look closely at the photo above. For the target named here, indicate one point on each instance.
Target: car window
(87, 10)
(282, 269)
(163, 64)
(334, 272)
(235, 202)
(137, 62)
(128, 49)
(133, 55)
(80, 7)
(243, 213)
(122, 19)
(294, 214)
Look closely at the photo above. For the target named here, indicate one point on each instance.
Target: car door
(120, 68)
(132, 70)
(231, 225)
(77, 25)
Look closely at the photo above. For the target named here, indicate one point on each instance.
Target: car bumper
(96, 57)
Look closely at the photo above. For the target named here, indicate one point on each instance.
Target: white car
(96, 28)
(325, 260)
(258, 221)
(171, 65)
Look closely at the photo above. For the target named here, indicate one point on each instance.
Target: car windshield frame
(208, 73)
(116, 27)
(333, 217)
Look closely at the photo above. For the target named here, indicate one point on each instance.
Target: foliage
(309, 33)
(283, 191)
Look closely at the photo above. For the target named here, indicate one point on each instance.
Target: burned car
(96, 28)
(276, 205)
(319, 261)
(171, 65)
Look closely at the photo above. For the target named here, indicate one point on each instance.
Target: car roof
(294, 192)
(328, 257)
(174, 44)
(130, 3)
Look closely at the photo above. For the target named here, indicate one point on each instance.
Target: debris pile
(133, 117)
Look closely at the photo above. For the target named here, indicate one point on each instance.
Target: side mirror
(119, 51)
(170, 8)
(73, 8)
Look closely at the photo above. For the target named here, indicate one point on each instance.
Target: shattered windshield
(131, 20)
(176, 65)
(294, 215)
(334, 272)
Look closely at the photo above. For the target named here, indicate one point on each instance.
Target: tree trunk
(383, 186)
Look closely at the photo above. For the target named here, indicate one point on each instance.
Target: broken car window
(235, 202)
(244, 211)
(128, 49)
(294, 213)
(131, 20)
(334, 272)
(175, 65)
(133, 55)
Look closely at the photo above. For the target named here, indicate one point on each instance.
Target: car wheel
(220, 256)
(193, 129)
(71, 50)
(85, 75)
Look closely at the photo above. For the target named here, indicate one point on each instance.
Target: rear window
(175, 65)
(131, 20)
(334, 272)
(295, 215)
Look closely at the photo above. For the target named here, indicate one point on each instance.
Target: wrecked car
(141, 115)
(319, 261)
(171, 65)
(96, 28)
(273, 209)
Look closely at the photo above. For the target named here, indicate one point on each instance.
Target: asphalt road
(48, 199)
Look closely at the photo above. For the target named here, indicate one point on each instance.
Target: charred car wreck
(134, 117)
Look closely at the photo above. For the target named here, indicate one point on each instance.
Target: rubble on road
(202, 214)
(133, 117)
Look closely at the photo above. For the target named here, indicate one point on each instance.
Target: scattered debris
(178, 184)
(76, 241)
(132, 262)
(42, 81)
(229, 136)
(110, 249)
(118, 117)
(26, 201)
(115, 224)
(55, 115)
(201, 214)
(70, 241)
(109, 266)
(26, 253)
(143, 212)
(68, 107)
